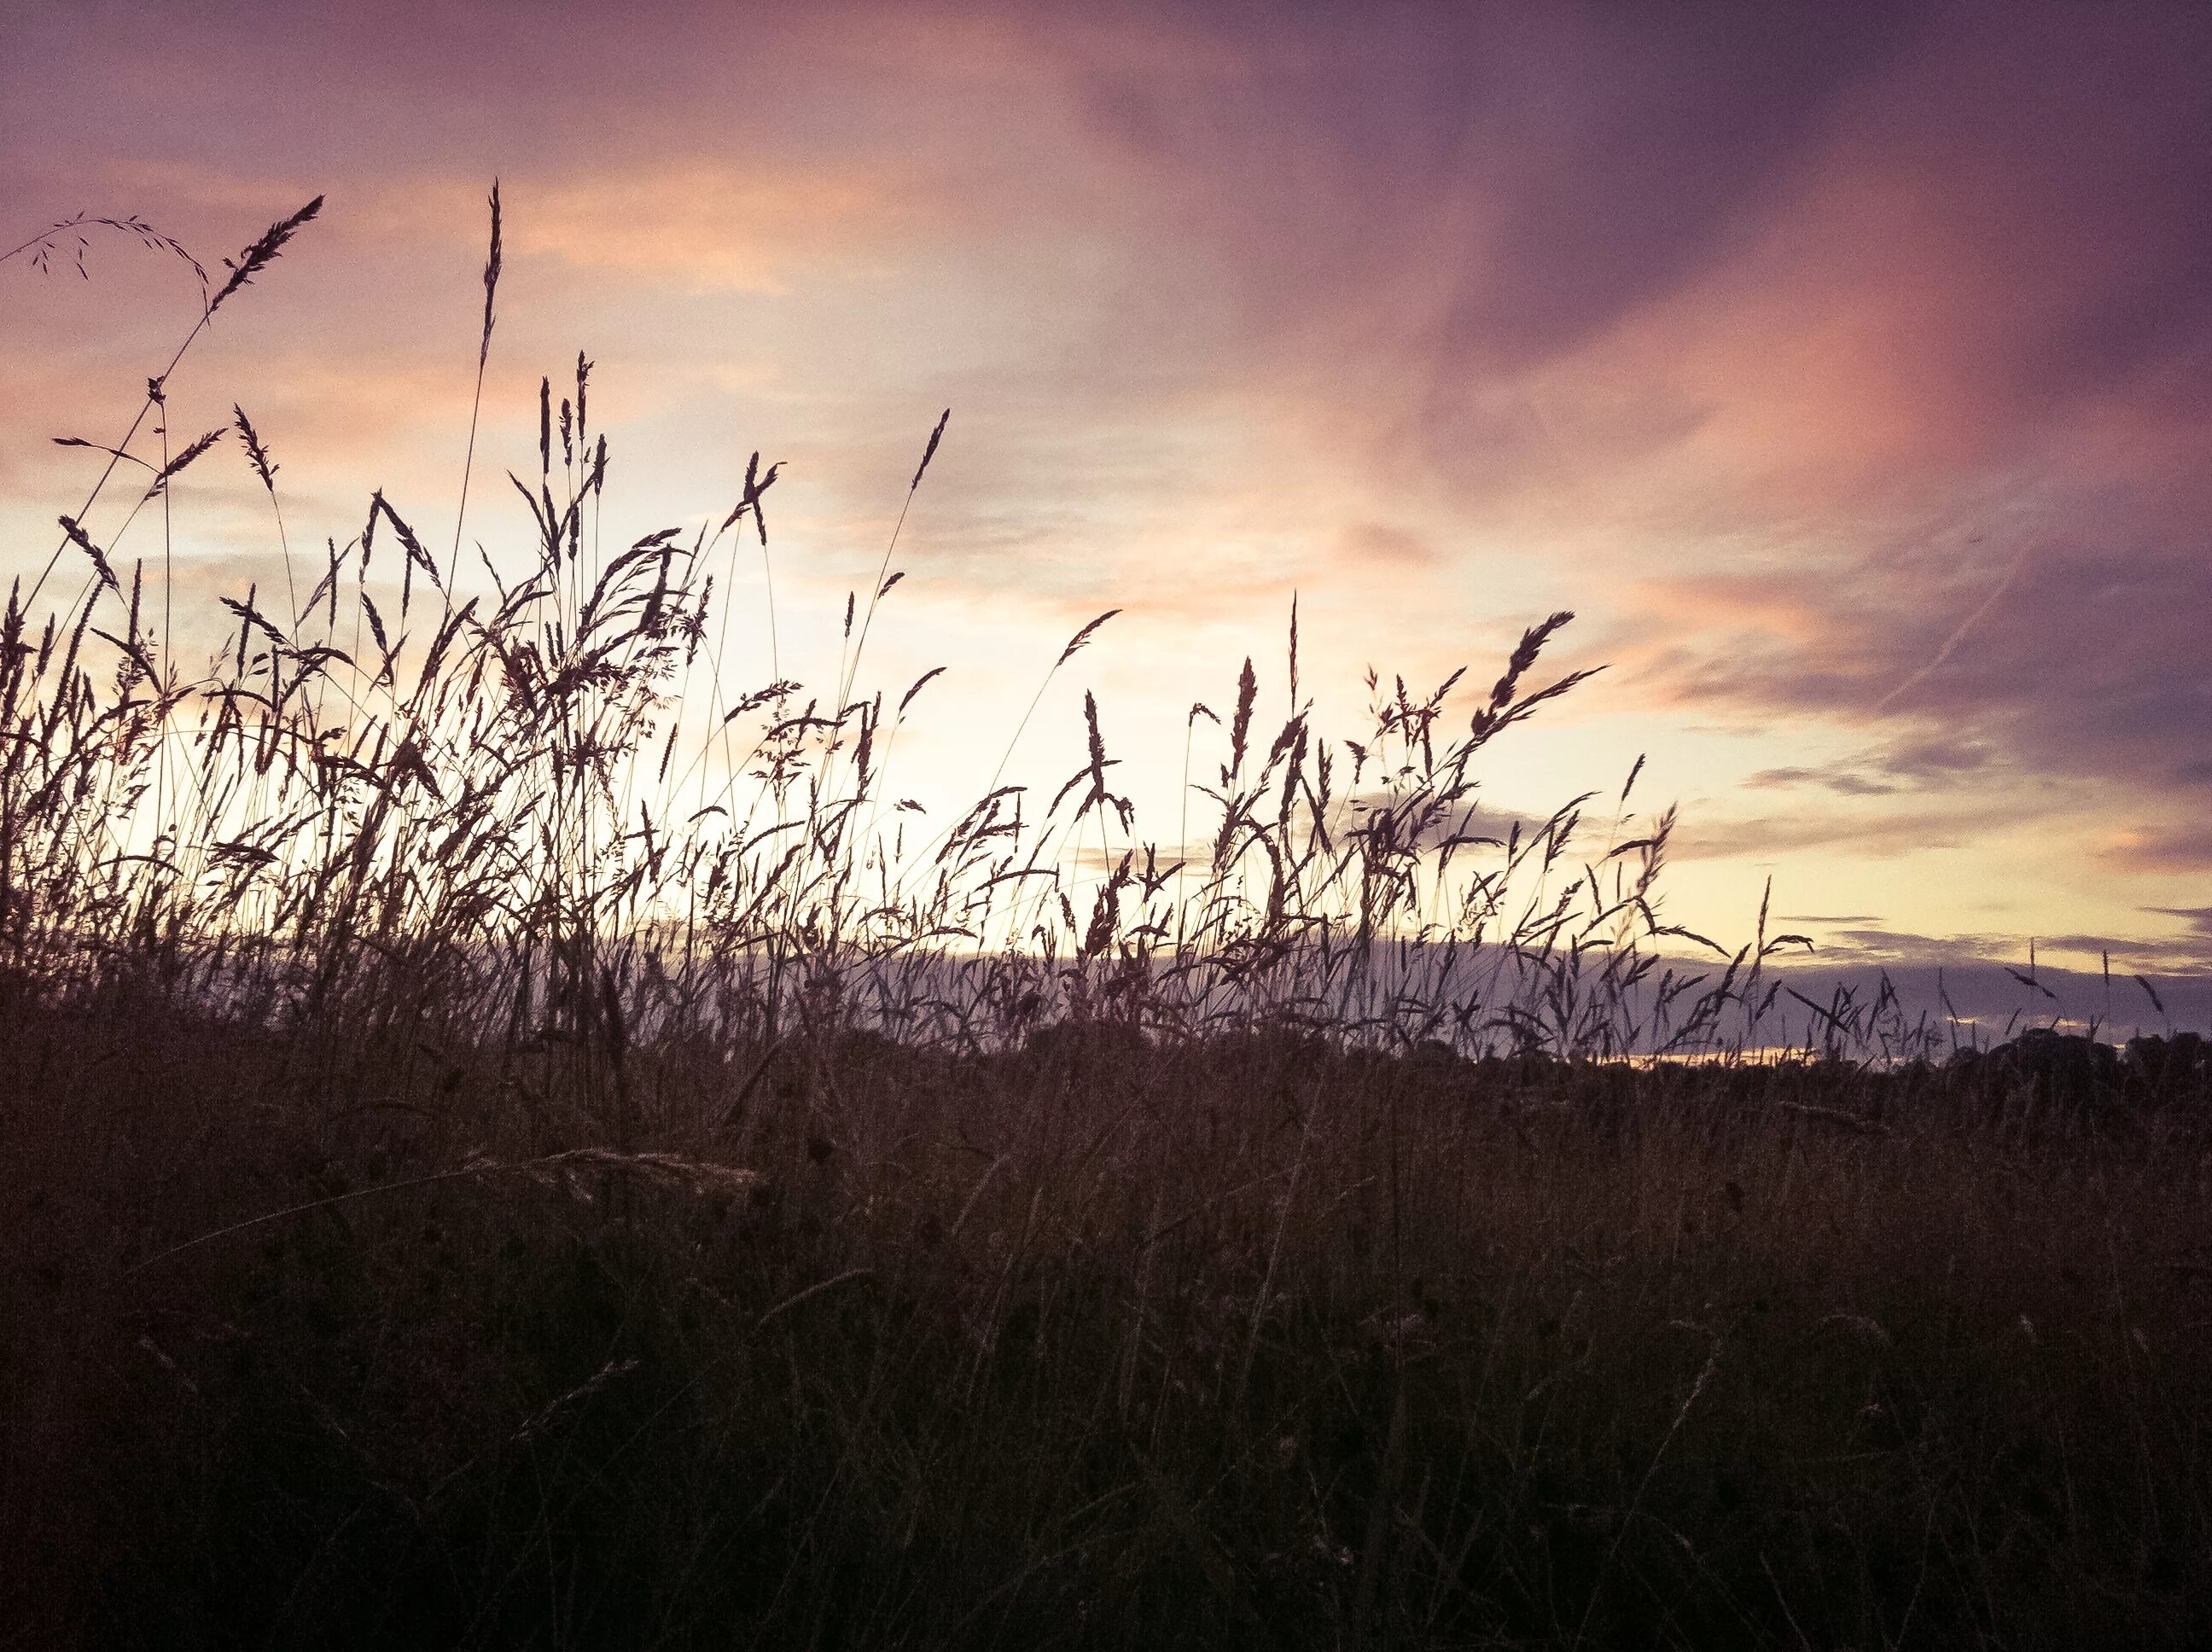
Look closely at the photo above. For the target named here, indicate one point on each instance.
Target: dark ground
(1232, 1344)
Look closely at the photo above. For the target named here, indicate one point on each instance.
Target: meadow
(516, 1135)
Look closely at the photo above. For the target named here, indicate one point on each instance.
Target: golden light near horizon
(1872, 479)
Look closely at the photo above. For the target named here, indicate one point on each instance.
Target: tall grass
(522, 1138)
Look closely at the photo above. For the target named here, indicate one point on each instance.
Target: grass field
(1226, 1342)
(512, 1140)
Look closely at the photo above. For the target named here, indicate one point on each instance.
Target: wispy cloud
(1884, 834)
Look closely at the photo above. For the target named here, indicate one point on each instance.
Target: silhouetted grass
(515, 1140)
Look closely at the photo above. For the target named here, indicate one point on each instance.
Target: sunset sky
(1848, 368)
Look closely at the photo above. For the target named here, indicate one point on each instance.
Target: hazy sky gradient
(1848, 368)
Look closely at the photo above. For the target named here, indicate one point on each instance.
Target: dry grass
(519, 1141)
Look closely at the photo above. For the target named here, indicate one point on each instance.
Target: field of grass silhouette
(515, 1139)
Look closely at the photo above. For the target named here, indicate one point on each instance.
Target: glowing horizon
(1849, 381)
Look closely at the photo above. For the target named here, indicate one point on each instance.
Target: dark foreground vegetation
(1234, 1342)
(514, 1139)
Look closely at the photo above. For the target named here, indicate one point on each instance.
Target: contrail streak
(1957, 636)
